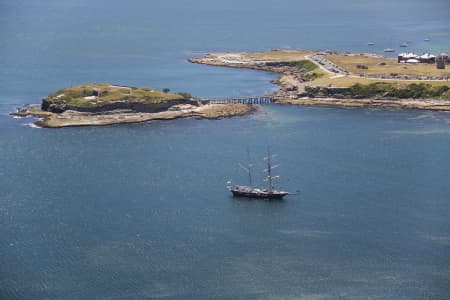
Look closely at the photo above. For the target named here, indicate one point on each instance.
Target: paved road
(330, 67)
(327, 65)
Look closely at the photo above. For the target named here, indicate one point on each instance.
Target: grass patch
(93, 95)
(277, 55)
(378, 65)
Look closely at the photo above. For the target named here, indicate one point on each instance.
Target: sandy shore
(75, 118)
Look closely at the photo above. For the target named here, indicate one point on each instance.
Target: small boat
(259, 193)
(389, 50)
(404, 45)
(426, 40)
(370, 43)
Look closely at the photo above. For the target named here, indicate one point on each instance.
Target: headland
(106, 104)
(306, 77)
(310, 77)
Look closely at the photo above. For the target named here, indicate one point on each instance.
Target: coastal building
(403, 57)
(410, 57)
(441, 60)
(427, 58)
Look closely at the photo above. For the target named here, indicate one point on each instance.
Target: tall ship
(249, 191)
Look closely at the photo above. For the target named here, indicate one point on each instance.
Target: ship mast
(269, 171)
(248, 169)
(249, 166)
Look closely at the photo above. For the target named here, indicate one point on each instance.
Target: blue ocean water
(141, 211)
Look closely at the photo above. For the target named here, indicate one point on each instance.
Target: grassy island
(105, 104)
(96, 96)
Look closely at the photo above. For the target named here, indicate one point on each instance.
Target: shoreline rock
(71, 118)
(108, 104)
(424, 104)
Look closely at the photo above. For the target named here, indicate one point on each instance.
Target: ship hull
(258, 194)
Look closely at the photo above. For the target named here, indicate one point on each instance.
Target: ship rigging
(259, 193)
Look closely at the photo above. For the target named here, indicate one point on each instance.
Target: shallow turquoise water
(141, 211)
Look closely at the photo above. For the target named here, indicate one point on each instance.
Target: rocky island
(344, 79)
(106, 104)
(305, 77)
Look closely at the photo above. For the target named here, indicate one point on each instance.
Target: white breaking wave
(32, 125)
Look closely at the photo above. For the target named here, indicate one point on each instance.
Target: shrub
(311, 91)
(439, 91)
(413, 90)
(418, 90)
(309, 76)
(370, 90)
(185, 95)
(358, 90)
(306, 65)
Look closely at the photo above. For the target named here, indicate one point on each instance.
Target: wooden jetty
(243, 100)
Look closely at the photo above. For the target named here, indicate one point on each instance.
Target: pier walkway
(242, 100)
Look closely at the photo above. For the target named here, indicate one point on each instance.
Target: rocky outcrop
(122, 116)
(136, 106)
(378, 103)
(105, 104)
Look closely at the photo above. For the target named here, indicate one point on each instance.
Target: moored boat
(249, 192)
(259, 193)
